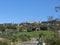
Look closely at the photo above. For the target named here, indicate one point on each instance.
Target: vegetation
(36, 34)
(24, 37)
(3, 43)
(25, 31)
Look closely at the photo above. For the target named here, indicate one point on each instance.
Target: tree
(53, 24)
(57, 8)
(2, 28)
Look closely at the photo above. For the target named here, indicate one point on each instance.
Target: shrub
(3, 43)
(53, 41)
(24, 37)
(44, 28)
(50, 39)
(58, 41)
(14, 38)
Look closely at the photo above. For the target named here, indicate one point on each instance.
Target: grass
(48, 34)
(36, 34)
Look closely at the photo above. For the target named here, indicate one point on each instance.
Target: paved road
(32, 42)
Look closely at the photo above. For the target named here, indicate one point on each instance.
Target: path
(33, 41)
(59, 32)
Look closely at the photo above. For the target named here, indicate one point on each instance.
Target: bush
(14, 38)
(53, 41)
(50, 39)
(3, 43)
(44, 28)
(24, 37)
(58, 41)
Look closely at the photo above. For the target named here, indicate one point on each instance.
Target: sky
(14, 11)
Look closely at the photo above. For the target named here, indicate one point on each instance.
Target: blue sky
(14, 11)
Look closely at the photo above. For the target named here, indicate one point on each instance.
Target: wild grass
(36, 34)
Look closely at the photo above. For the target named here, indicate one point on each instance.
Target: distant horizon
(15, 11)
(22, 22)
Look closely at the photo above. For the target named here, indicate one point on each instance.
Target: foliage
(58, 41)
(52, 40)
(44, 27)
(24, 37)
(36, 34)
(3, 43)
(2, 28)
(14, 38)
